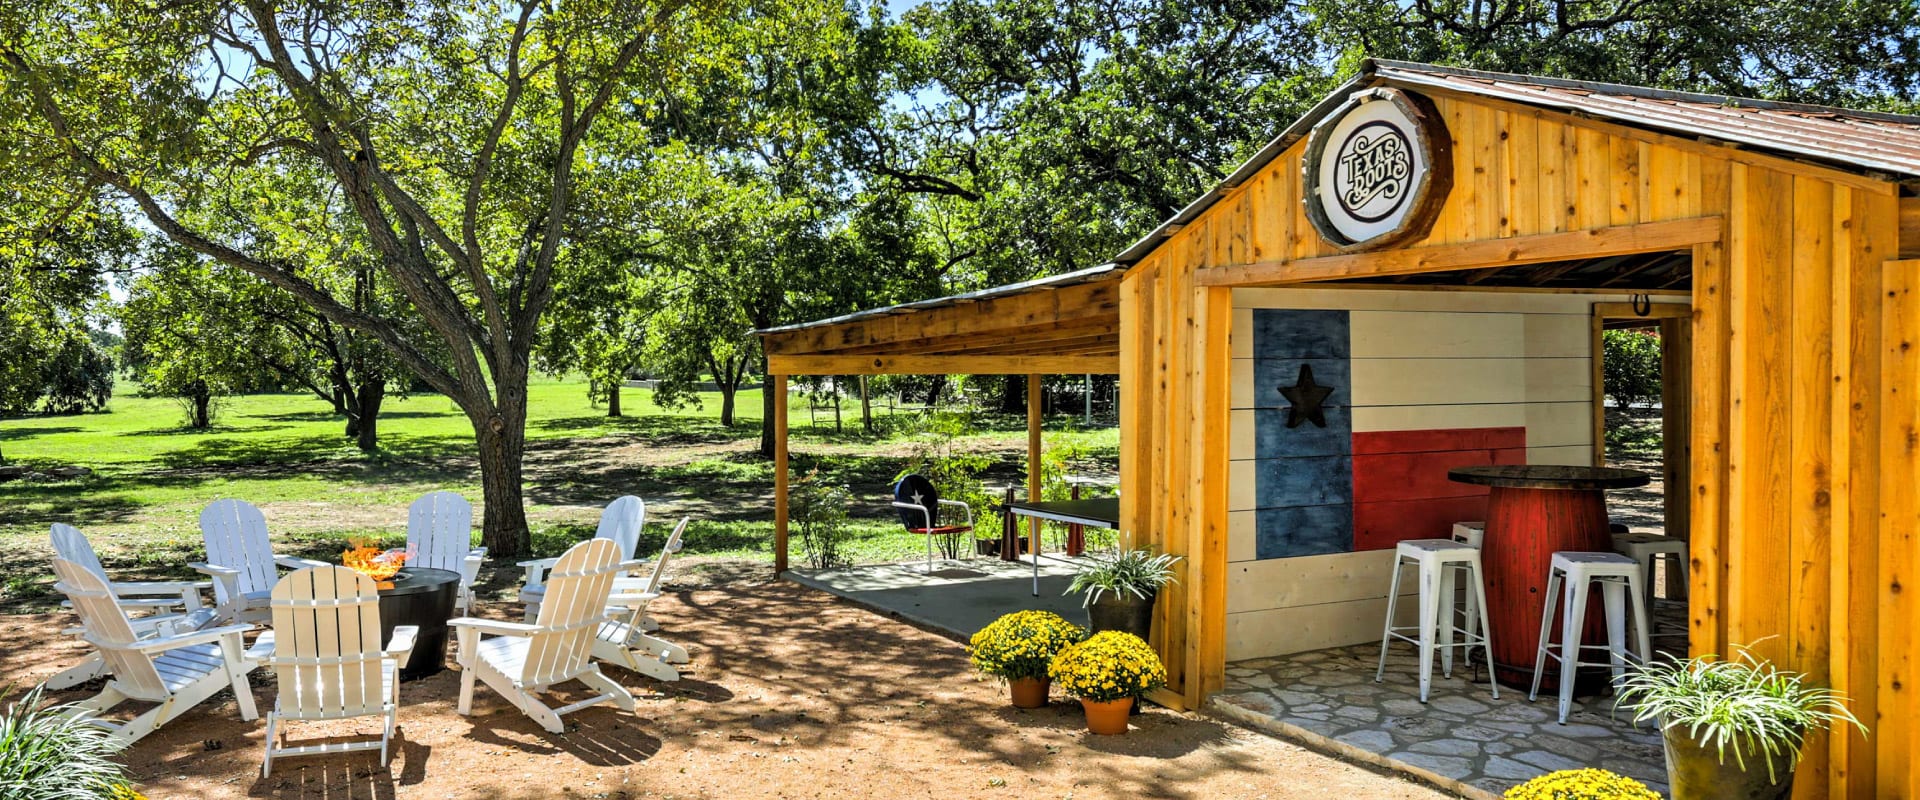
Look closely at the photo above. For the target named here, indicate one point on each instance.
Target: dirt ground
(791, 693)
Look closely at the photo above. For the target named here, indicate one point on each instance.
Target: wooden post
(1033, 457)
(777, 384)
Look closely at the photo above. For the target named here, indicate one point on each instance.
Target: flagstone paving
(1462, 738)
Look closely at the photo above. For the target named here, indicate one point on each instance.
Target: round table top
(417, 580)
(1549, 476)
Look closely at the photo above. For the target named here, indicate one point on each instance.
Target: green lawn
(287, 454)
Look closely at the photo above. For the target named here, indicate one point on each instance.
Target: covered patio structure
(1421, 268)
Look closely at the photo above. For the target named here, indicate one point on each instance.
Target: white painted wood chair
(520, 660)
(619, 523)
(240, 559)
(624, 640)
(440, 534)
(175, 671)
(326, 653)
(175, 605)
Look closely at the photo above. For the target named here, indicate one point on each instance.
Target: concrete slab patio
(1462, 739)
(959, 598)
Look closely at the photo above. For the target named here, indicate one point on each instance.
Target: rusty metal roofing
(1867, 142)
(1089, 275)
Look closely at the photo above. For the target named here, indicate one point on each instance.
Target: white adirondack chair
(325, 651)
(440, 533)
(620, 523)
(624, 639)
(175, 671)
(520, 660)
(240, 559)
(176, 604)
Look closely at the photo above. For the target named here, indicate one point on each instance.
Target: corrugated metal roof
(1867, 142)
(1089, 275)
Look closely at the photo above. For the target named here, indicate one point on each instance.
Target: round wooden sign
(1377, 169)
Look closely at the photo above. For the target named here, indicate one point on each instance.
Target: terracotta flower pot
(1030, 692)
(1107, 717)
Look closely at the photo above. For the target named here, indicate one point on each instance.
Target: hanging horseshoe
(1642, 304)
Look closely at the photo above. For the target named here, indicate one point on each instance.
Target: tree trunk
(502, 442)
(613, 399)
(1013, 396)
(371, 395)
(933, 394)
(726, 403)
(202, 399)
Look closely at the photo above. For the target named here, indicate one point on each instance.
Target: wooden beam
(1109, 324)
(944, 365)
(777, 384)
(1048, 306)
(1658, 311)
(1648, 237)
(1910, 227)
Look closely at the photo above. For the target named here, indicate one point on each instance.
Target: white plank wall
(1443, 359)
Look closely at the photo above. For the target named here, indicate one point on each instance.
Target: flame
(373, 562)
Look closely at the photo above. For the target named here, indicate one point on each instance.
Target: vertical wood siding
(1805, 447)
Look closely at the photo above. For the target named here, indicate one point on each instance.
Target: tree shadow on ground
(22, 433)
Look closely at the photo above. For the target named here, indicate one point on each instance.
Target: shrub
(1022, 644)
(1630, 366)
(820, 510)
(1581, 784)
(1746, 705)
(52, 753)
(1109, 665)
(1134, 572)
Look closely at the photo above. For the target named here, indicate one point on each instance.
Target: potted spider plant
(1732, 728)
(1119, 591)
(53, 752)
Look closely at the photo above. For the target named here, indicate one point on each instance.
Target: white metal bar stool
(1572, 574)
(1437, 560)
(1645, 547)
(1470, 534)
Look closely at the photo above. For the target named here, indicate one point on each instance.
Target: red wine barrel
(1525, 527)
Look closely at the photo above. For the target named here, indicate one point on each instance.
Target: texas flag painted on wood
(1328, 483)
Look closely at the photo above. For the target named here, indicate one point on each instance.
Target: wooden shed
(1459, 238)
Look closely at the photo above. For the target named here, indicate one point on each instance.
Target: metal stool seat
(1438, 561)
(1573, 574)
(1645, 547)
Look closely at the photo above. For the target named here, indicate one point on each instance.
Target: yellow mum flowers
(1581, 784)
(1108, 666)
(1022, 644)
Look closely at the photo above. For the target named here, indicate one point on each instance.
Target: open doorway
(1641, 404)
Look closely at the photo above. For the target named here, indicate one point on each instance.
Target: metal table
(1098, 512)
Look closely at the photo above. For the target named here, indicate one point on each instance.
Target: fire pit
(422, 597)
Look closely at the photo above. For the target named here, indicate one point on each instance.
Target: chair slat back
(235, 533)
(672, 546)
(571, 613)
(621, 522)
(106, 624)
(440, 531)
(69, 543)
(327, 648)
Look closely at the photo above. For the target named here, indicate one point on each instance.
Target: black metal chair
(919, 504)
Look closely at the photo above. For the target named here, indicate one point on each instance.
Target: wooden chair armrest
(179, 640)
(470, 566)
(296, 562)
(632, 599)
(401, 645)
(213, 570)
(494, 626)
(537, 570)
(145, 588)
